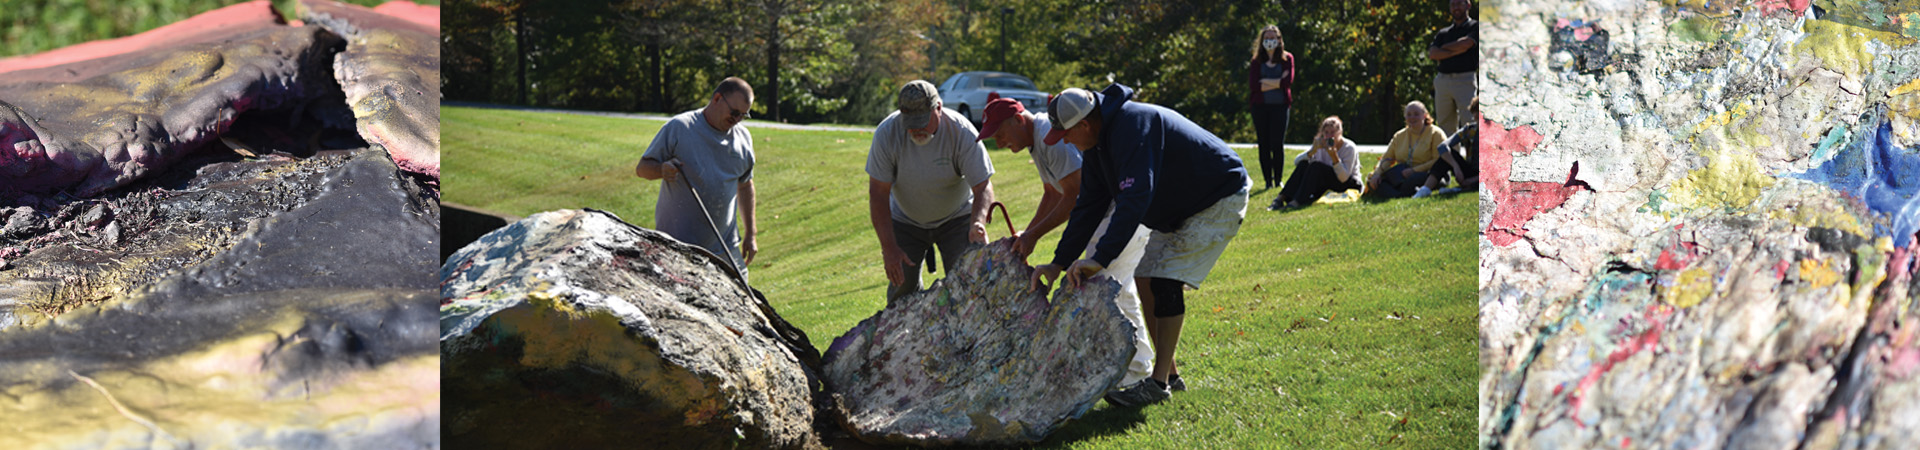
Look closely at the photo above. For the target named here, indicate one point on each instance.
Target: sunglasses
(737, 114)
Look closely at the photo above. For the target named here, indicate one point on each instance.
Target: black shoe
(1175, 384)
(1146, 392)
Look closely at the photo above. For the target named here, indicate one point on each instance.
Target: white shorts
(1189, 253)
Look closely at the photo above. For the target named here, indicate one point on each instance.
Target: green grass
(1264, 368)
(32, 26)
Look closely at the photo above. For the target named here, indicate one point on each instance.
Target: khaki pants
(1452, 94)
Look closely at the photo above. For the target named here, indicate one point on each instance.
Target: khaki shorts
(1189, 253)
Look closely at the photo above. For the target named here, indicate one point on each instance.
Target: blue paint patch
(1884, 177)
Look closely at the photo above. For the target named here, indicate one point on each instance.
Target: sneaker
(1145, 392)
(1451, 190)
(1175, 384)
(1422, 192)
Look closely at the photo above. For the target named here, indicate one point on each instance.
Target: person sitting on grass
(1331, 165)
(1461, 153)
(1407, 168)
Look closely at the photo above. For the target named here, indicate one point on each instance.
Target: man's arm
(653, 169)
(748, 247)
(982, 205)
(1055, 207)
(881, 214)
(1450, 49)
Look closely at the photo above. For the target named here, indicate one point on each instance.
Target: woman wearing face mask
(1270, 77)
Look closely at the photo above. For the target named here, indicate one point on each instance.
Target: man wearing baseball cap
(1012, 127)
(928, 187)
(1156, 169)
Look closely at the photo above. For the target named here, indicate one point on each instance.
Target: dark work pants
(950, 238)
(1270, 127)
(1392, 184)
(1313, 179)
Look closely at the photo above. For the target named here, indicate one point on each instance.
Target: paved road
(787, 126)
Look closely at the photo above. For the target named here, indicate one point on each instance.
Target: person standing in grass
(928, 186)
(1012, 127)
(1456, 48)
(1270, 76)
(1407, 168)
(1155, 168)
(714, 154)
(1331, 165)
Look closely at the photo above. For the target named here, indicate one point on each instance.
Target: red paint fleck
(1518, 202)
(1634, 344)
(1769, 6)
(1626, 442)
(1780, 270)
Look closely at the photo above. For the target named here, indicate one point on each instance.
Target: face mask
(1271, 44)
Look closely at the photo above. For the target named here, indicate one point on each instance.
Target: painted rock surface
(261, 304)
(1700, 224)
(390, 73)
(979, 358)
(572, 329)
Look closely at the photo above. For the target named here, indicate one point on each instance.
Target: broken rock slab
(390, 73)
(980, 358)
(573, 329)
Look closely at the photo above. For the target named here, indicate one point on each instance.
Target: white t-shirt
(932, 183)
(1349, 159)
(1054, 161)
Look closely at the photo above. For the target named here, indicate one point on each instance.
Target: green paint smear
(1697, 29)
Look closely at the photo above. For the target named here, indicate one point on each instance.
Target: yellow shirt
(1416, 148)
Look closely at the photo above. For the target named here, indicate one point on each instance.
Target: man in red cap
(1012, 127)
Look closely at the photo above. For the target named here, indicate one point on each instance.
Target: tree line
(840, 61)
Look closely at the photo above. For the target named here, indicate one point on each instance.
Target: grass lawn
(1349, 325)
(32, 26)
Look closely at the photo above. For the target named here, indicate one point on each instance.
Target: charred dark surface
(198, 250)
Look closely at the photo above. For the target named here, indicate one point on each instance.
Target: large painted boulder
(980, 358)
(573, 329)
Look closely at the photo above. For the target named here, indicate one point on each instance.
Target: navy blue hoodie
(1154, 166)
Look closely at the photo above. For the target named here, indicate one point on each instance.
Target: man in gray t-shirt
(709, 149)
(928, 188)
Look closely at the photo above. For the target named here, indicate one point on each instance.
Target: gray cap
(1067, 110)
(917, 101)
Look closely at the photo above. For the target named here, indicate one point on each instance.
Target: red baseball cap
(998, 110)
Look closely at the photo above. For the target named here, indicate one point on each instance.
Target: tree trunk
(773, 64)
(520, 48)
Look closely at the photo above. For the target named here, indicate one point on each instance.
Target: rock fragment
(574, 329)
(979, 358)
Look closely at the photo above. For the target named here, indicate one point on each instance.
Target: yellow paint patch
(1731, 180)
(1690, 288)
(1910, 87)
(1825, 215)
(1843, 48)
(1818, 272)
(1721, 120)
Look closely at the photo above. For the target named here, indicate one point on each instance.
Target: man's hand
(978, 234)
(1047, 272)
(670, 170)
(1406, 173)
(748, 248)
(1081, 270)
(896, 262)
(1023, 243)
